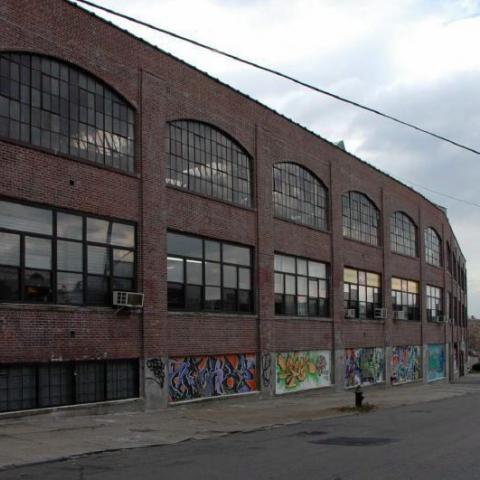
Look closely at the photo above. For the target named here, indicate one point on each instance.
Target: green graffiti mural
(297, 371)
(364, 366)
(436, 362)
(406, 363)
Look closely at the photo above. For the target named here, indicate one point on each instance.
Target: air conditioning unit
(441, 319)
(350, 313)
(380, 313)
(400, 315)
(127, 299)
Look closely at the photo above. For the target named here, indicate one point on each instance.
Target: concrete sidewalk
(57, 435)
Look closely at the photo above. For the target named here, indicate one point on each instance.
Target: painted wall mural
(364, 366)
(297, 371)
(406, 364)
(211, 376)
(436, 362)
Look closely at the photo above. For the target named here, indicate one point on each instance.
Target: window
(433, 247)
(27, 386)
(50, 256)
(403, 235)
(301, 287)
(204, 160)
(362, 293)
(298, 196)
(361, 219)
(405, 298)
(449, 258)
(56, 106)
(208, 275)
(435, 304)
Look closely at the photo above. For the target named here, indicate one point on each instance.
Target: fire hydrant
(358, 397)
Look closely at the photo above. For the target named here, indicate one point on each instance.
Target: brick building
(271, 260)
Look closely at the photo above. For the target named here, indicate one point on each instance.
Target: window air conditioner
(127, 299)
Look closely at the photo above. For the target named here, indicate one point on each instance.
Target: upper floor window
(301, 287)
(362, 293)
(56, 106)
(434, 304)
(50, 256)
(299, 196)
(405, 299)
(403, 235)
(361, 219)
(433, 247)
(207, 274)
(204, 160)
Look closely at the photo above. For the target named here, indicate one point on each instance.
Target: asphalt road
(437, 440)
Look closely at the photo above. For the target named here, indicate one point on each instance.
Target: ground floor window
(39, 385)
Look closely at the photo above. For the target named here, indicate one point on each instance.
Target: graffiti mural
(406, 364)
(266, 369)
(302, 371)
(436, 362)
(157, 367)
(211, 376)
(364, 366)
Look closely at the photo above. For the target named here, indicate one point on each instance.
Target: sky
(414, 59)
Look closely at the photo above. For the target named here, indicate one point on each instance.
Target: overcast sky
(417, 60)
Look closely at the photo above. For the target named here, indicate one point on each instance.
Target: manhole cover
(354, 441)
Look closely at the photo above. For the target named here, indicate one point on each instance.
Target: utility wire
(280, 74)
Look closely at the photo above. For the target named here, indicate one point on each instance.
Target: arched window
(204, 160)
(361, 218)
(299, 196)
(56, 106)
(403, 235)
(433, 247)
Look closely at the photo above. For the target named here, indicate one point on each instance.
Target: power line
(280, 74)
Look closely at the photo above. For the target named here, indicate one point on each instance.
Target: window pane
(244, 278)
(285, 264)
(175, 269)
(69, 226)
(69, 256)
(9, 284)
(373, 280)
(123, 263)
(124, 284)
(184, 245)
(290, 285)
(279, 283)
(194, 272)
(350, 276)
(317, 270)
(14, 216)
(236, 255)
(193, 297)
(212, 250)
(244, 301)
(37, 286)
(123, 235)
(212, 273)
(99, 231)
(213, 298)
(302, 267)
(229, 299)
(229, 276)
(176, 295)
(396, 284)
(98, 291)
(9, 249)
(98, 260)
(38, 253)
(69, 288)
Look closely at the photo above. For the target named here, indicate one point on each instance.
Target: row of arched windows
(61, 108)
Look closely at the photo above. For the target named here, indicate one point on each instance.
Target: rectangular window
(208, 275)
(405, 298)
(434, 304)
(301, 287)
(48, 256)
(362, 293)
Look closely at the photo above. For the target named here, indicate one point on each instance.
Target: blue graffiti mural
(436, 362)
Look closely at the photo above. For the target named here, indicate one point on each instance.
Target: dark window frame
(412, 311)
(433, 247)
(434, 299)
(54, 271)
(403, 235)
(224, 290)
(294, 202)
(367, 312)
(360, 218)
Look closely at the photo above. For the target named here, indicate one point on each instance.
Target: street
(435, 440)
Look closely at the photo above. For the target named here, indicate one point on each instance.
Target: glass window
(204, 160)
(14, 216)
(362, 293)
(433, 246)
(403, 235)
(56, 106)
(79, 273)
(301, 287)
(361, 218)
(208, 275)
(405, 298)
(299, 196)
(434, 299)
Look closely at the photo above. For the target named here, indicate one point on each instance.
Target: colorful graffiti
(302, 371)
(211, 376)
(406, 363)
(364, 366)
(436, 362)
